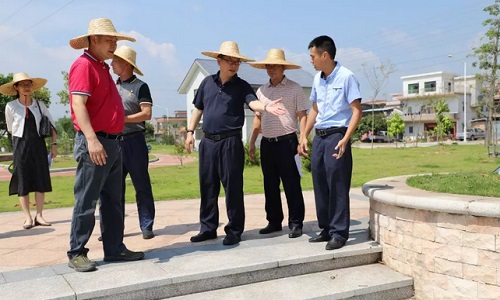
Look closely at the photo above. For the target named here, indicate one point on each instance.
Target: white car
(472, 134)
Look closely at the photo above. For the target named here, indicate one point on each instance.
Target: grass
(176, 182)
(479, 184)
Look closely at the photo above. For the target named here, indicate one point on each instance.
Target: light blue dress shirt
(333, 97)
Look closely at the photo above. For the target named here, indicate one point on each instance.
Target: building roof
(255, 77)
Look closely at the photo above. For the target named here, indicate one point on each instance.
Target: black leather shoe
(334, 244)
(147, 234)
(126, 255)
(203, 236)
(295, 232)
(231, 239)
(270, 228)
(319, 238)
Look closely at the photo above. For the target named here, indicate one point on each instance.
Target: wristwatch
(188, 131)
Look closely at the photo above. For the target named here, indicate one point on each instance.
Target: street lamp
(465, 99)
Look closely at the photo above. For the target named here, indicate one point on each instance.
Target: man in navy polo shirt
(335, 114)
(98, 117)
(220, 99)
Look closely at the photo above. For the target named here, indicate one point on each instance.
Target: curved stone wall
(449, 244)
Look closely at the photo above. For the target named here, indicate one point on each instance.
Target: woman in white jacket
(31, 169)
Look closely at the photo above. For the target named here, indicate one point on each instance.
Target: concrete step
(374, 282)
(170, 272)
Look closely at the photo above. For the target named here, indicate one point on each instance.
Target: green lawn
(176, 182)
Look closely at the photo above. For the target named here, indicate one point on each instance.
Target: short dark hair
(324, 43)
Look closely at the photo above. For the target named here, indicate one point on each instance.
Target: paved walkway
(175, 222)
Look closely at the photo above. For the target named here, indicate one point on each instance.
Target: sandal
(42, 223)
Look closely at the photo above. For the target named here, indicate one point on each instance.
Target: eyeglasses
(231, 62)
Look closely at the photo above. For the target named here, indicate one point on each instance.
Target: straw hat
(227, 49)
(275, 57)
(8, 88)
(128, 54)
(98, 27)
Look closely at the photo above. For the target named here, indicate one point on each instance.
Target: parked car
(380, 137)
(472, 134)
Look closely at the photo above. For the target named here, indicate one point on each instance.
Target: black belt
(285, 137)
(331, 130)
(130, 135)
(223, 135)
(108, 136)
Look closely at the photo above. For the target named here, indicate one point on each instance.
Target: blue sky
(415, 36)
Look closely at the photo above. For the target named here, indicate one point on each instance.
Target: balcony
(427, 117)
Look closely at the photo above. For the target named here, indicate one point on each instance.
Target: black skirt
(31, 168)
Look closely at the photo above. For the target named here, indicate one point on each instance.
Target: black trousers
(332, 182)
(278, 164)
(136, 163)
(222, 161)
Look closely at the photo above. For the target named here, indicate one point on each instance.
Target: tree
(377, 77)
(443, 122)
(487, 55)
(63, 94)
(370, 123)
(395, 126)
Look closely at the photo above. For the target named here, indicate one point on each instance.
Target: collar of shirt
(332, 75)
(282, 82)
(130, 80)
(217, 78)
(92, 57)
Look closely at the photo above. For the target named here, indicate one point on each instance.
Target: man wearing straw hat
(137, 102)
(220, 99)
(279, 143)
(335, 114)
(98, 116)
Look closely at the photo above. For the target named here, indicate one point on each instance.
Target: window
(413, 88)
(430, 86)
(449, 87)
(410, 129)
(409, 110)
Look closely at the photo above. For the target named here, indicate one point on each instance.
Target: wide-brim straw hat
(275, 57)
(128, 54)
(8, 88)
(99, 26)
(228, 49)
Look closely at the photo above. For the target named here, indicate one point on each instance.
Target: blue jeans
(93, 183)
(135, 163)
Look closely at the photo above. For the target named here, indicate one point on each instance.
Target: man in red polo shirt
(98, 116)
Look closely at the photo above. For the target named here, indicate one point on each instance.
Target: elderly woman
(31, 169)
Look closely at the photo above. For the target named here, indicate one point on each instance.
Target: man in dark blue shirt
(220, 99)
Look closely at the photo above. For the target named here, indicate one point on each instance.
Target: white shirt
(15, 116)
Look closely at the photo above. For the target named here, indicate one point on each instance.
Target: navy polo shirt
(223, 104)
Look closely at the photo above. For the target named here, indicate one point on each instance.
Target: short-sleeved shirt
(333, 97)
(133, 92)
(223, 104)
(90, 77)
(294, 101)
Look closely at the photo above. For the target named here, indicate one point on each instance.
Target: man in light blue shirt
(335, 114)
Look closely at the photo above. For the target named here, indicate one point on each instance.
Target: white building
(420, 91)
(202, 68)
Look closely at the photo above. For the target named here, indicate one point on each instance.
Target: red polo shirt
(90, 77)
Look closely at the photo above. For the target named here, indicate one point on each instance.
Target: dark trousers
(93, 183)
(332, 182)
(278, 163)
(222, 161)
(135, 163)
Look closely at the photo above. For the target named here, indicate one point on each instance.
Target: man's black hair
(324, 43)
